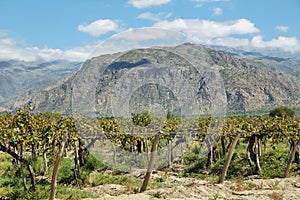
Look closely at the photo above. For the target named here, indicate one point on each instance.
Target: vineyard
(34, 145)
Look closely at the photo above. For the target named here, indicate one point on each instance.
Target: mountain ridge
(22, 78)
(249, 84)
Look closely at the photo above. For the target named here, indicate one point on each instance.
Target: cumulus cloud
(153, 16)
(217, 11)
(282, 28)
(15, 52)
(140, 38)
(99, 27)
(285, 43)
(147, 3)
(209, 29)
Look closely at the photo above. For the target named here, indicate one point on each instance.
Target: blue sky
(70, 29)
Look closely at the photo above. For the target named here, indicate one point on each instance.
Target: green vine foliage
(39, 133)
(142, 119)
(27, 129)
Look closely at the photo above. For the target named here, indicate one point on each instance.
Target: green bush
(142, 119)
(235, 169)
(37, 165)
(282, 111)
(102, 178)
(193, 161)
(274, 162)
(66, 171)
(91, 163)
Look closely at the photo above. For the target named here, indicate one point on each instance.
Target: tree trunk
(23, 178)
(55, 169)
(45, 162)
(147, 148)
(22, 160)
(82, 152)
(76, 163)
(293, 152)
(292, 144)
(258, 168)
(76, 157)
(22, 171)
(253, 156)
(297, 155)
(151, 162)
(139, 146)
(170, 153)
(209, 154)
(265, 144)
(228, 160)
(33, 152)
(223, 146)
(115, 154)
(259, 148)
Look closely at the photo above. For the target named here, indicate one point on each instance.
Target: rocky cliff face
(167, 78)
(252, 85)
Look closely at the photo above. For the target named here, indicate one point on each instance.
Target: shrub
(282, 111)
(142, 119)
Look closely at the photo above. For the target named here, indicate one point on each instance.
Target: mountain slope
(19, 78)
(252, 85)
(283, 61)
(248, 85)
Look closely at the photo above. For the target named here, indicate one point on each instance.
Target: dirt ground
(195, 189)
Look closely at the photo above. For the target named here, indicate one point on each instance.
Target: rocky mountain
(20, 78)
(251, 85)
(283, 61)
(179, 78)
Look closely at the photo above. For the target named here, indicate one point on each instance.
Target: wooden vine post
(151, 162)
(228, 160)
(292, 155)
(55, 169)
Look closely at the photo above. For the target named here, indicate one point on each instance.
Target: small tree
(142, 119)
(282, 111)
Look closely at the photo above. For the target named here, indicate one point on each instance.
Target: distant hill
(280, 60)
(20, 78)
(250, 84)
(7, 87)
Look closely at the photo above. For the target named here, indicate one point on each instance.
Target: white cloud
(153, 16)
(230, 42)
(207, 1)
(3, 33)
(209, 29)
(11, 49)
(282, 28)
(139, 38)
(146, 34)
(217, 11)
(201, 2)
(79, 53)
(99, 27)
(285, 43)
(147, 3)
(14, 52)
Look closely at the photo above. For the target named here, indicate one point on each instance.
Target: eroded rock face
(248, 85)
